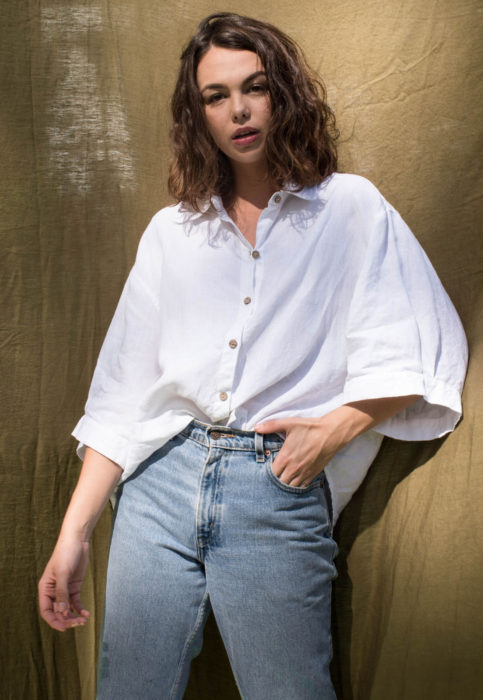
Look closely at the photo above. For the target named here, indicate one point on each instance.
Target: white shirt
(337, 303)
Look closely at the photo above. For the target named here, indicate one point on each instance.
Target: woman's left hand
(309, 446)
(310, 443)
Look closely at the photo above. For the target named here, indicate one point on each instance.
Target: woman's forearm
(353, 419)
(98, 478)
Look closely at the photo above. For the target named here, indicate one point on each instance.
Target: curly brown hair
(300, 147)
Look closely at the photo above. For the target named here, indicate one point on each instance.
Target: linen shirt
(336, 303)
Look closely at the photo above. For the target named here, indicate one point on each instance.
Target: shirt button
(233, 343)
(255, 254)
(247, 300)
(277, 199)
(223, 396)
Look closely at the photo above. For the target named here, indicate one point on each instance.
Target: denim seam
(199, 547)
(198, 622)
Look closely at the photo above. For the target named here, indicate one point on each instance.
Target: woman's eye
(258, 87)
(215, 97)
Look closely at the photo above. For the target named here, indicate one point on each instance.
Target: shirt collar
(216, 203)
(309, 193)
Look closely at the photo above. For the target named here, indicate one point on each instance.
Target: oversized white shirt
(337, 303)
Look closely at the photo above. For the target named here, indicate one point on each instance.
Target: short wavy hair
(300, 146)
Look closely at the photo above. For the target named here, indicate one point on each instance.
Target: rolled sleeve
(110, 443)
(404, 336)
(127, 366)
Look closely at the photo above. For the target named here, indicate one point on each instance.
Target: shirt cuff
(90, 433)
(433, 415)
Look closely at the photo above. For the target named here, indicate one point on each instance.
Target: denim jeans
(204, 523)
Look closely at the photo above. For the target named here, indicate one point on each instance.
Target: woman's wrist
(98, 479)
(76, 531)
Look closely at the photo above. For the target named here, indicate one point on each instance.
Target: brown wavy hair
(300, 147)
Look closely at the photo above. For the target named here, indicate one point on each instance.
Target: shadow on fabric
(395, 461)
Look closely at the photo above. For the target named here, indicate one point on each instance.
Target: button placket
(250, 271)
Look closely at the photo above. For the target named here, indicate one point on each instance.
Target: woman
(273, 318)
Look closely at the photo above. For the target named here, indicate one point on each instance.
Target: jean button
(215, 436)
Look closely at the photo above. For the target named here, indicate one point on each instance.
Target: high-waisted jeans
(204, 523)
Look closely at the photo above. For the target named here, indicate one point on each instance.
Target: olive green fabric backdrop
(84, 96)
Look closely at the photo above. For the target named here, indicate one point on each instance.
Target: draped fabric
(85, 93)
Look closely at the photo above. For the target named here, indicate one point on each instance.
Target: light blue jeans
(205, 523)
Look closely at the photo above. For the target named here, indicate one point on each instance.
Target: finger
(70, 620)
(280, 425)
(77, 605)
(62, 602)
(46, 590)
(279, 464)
(75, 621)
(285, 472)
(50, 618)
(288, 471)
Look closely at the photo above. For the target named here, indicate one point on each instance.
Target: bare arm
(311, 443)
(59, 588)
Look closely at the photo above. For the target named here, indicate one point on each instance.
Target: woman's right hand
(59, 588)
(60, 585)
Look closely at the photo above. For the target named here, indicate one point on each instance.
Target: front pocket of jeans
(315, 483)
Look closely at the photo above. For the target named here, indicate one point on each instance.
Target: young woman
(278, 321)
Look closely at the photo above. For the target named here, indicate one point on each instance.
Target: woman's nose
(240, 110)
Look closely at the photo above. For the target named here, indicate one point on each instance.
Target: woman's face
(234, 89)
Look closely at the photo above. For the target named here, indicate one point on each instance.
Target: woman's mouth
(244, 137)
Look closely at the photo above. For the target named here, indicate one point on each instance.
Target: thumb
(61, 604)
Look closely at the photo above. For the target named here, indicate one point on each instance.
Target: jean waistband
(223, 436)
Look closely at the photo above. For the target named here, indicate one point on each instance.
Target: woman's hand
(60, 585)
(309, 446)
(310, 443)
(59, 588)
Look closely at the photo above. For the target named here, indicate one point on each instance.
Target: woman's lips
(245, 137)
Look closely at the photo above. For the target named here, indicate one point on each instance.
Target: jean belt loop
(259, 447)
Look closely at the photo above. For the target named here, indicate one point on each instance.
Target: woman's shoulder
(346, 197)
(172, 214)
(350, 186)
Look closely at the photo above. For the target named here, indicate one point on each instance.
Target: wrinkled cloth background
(84, 118)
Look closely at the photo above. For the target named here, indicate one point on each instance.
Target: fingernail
(61, 607)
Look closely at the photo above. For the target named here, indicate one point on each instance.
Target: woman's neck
(251, 192)
(251, 184)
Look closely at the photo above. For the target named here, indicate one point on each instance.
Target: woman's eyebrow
(219, 86)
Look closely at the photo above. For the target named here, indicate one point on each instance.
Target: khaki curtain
(84, 118)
